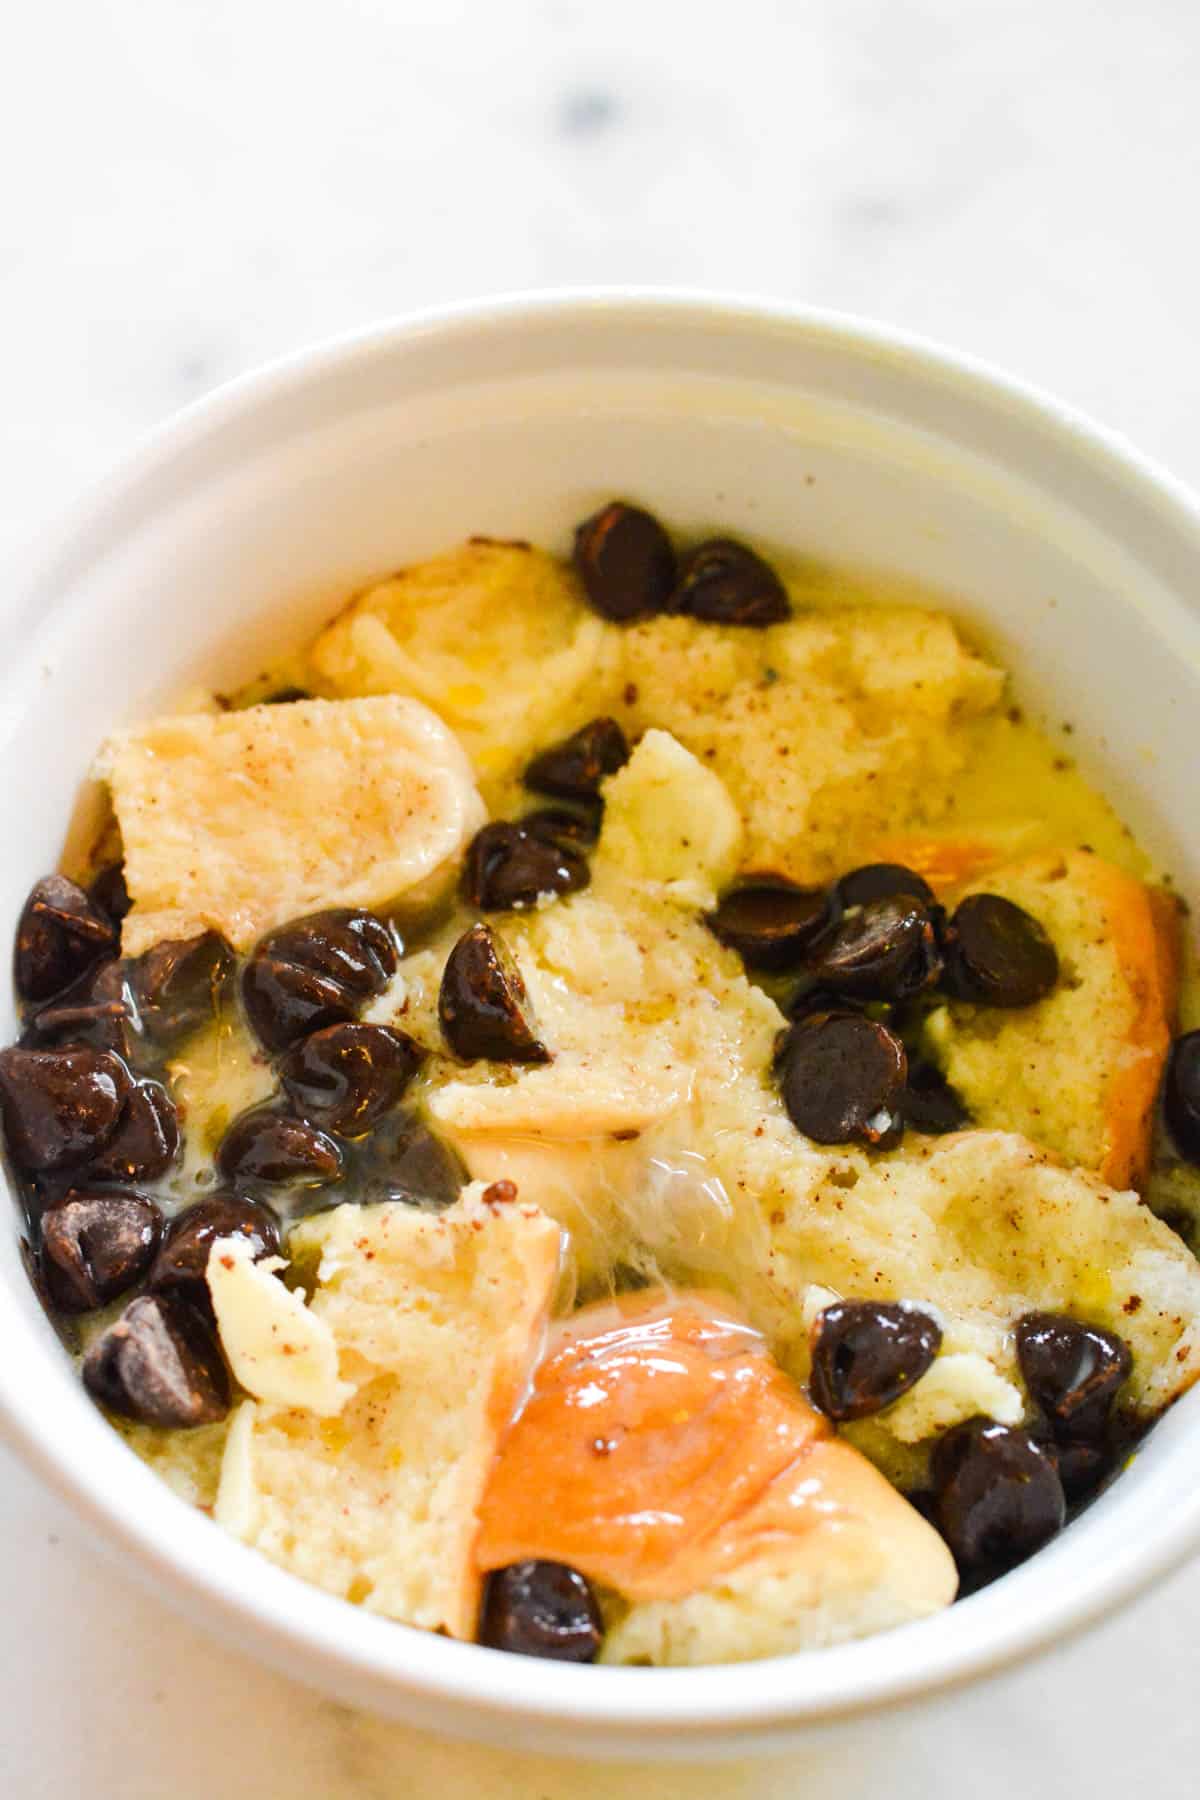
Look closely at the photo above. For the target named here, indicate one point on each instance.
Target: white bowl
(233, 529)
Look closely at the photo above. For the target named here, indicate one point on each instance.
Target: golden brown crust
(1141, 924)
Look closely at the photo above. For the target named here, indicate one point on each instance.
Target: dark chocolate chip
(725, 583)
(997, 954)
(405, 1161)
(885, 950)
(181, 1265)
(60, 934)
(576, 829)
(60, 1106)
(95, 1245)
(346, 1077)
(1181, 1095)
(999, 1497)
(160, 1363)
(929, 1103)
(109, 892)
(96, 1009)
(542, 1609)
(772, 924)
(285, 1002)
(508, 867)
(146, 1141)
(843, 1078)
(1073, 1371)
(182, 984)
(482, 1003)
(265, 1144)
(625, 561)
(574, 769)
(866, 1354)
(351, 946)
(315, 972)
(883, 881)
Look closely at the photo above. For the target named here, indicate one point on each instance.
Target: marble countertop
(188, 190)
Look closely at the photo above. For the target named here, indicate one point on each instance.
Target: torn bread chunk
(496, 637)
(663, 1454)
(1079, 1071)
(277, 1347)
(437, 1319)
(241, 821)
(669, 820)
(982, 1226)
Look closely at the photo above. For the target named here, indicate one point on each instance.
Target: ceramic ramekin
(232, 529)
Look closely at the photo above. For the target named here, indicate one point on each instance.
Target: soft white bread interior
(1079, 1071)
(241, 821)
(437, 1319)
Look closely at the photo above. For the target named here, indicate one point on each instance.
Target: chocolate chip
(285, 1002)
(351, 946)
(771, 924)
(267, 1145)
(576, 829)
(405, 1161)
(182, 984)
(999, 1497)
(96, 1009)
(929, 1103)
(1181, 1095)
(885, 950)
(60, 934)
(542, 1609)
(482, 1003)
(160, 1363)
(60, 1106)
(346, 1077)
(95, 1245)
(725, 583)
(997, 954)
(625, 561)
(883, 881)
(181, 1265)
(574, 769)
(1073, 1371)
(508, 867)
(867, 1353)
(109, 892)
(842, 1078)
(316, 972)
(146, 1141)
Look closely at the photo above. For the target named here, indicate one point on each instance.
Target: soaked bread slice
(437, 1320)
(1079, 1071)
(496, 637)
(665, 1455)
(241, 821)
(830, 730)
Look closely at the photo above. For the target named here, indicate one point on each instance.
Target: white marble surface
(186, 189)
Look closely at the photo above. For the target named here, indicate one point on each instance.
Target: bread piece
(663, 1454)
(669, 820)
(241, 821)
(437, 1318)
(868, 1563)
(497, 638)
(830, 731)
(1078, 1072)
(982, 1226)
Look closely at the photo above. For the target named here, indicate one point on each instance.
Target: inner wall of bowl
(238, 540)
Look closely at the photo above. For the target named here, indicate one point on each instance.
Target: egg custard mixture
(623, 1109)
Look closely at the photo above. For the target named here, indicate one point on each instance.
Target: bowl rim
(245, 1599)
